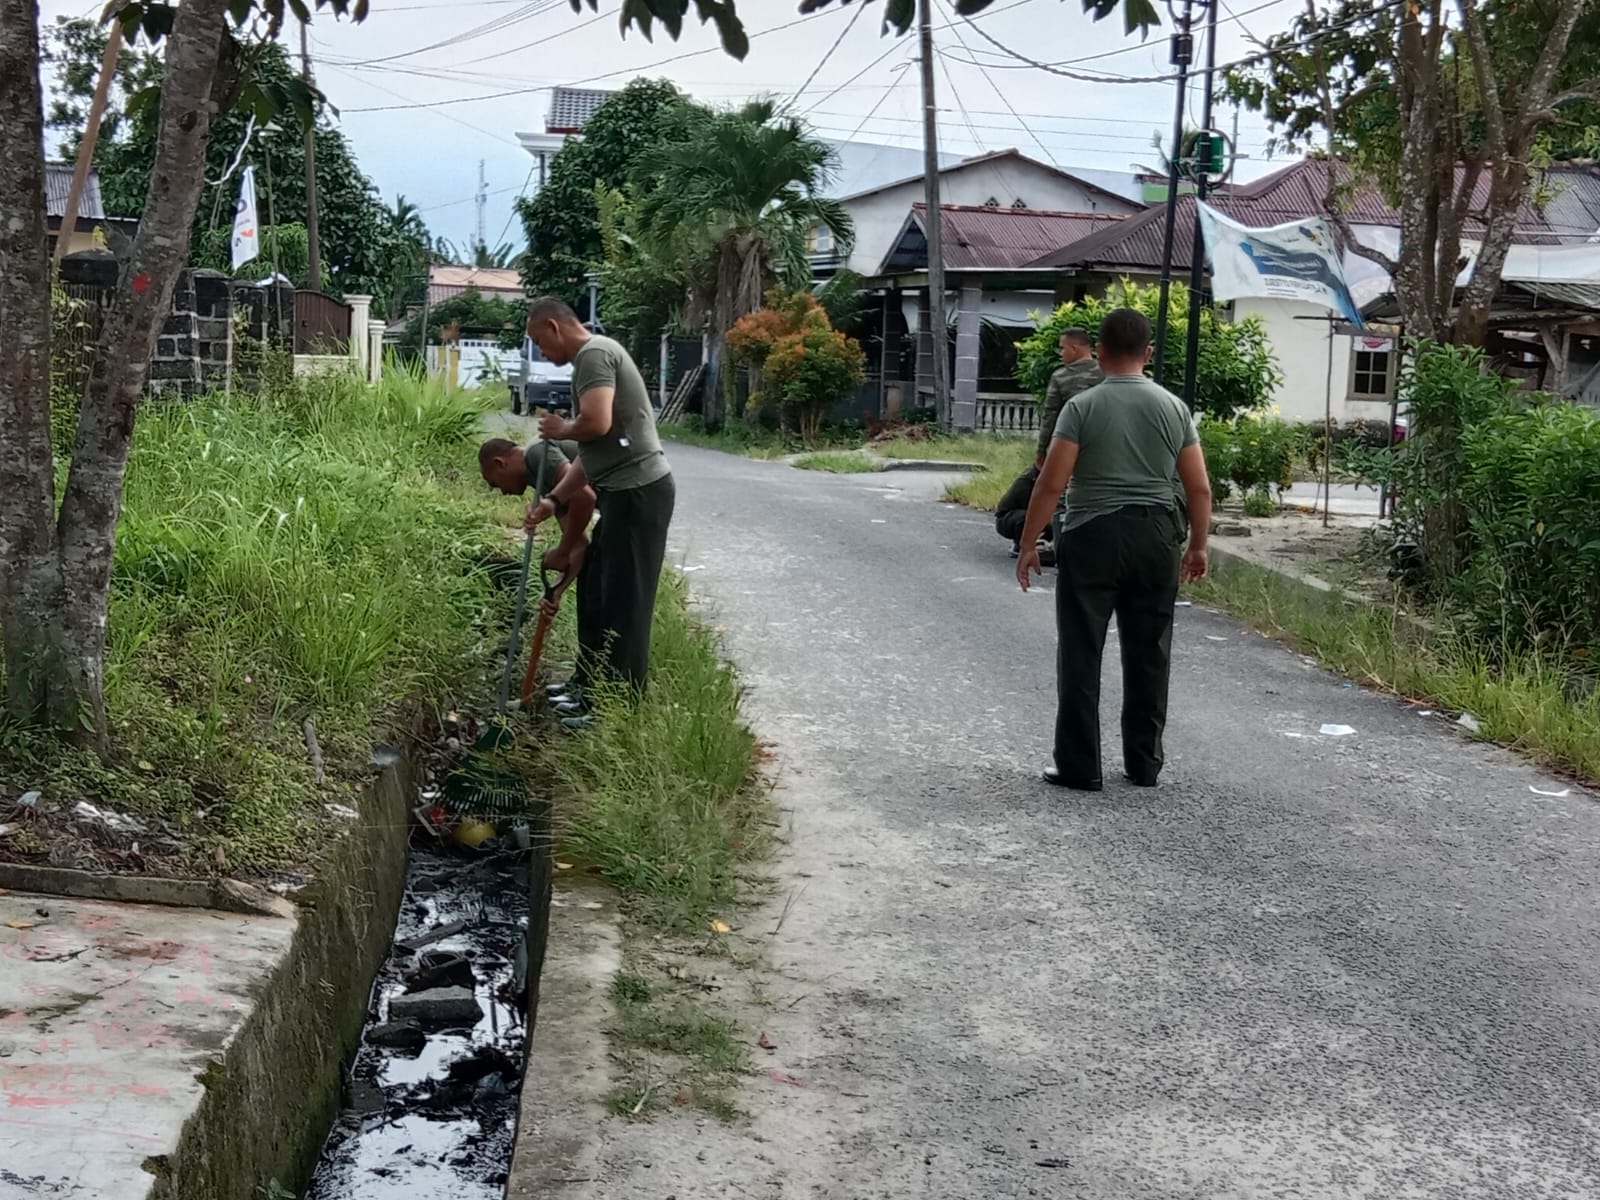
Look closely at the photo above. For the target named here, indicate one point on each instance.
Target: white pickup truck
(539, 383)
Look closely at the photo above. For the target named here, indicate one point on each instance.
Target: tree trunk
(34, 662)
(86, 529)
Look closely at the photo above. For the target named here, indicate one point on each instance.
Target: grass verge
(673, 1052)
(313, 551)
(837, 462)
(663, 799)
(662, 796)
(1003, 460)
(1522, 700)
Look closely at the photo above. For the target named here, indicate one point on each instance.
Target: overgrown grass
(1003, 460)
(673, 1052)
(310, 552)
(1521, 699)
(837, 462)
(662, 795)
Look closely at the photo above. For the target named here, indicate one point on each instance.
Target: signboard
(1294, 261)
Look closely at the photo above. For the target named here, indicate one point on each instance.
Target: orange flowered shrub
(797, 360)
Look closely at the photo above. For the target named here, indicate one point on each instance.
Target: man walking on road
(619, 456)
(1115, 450)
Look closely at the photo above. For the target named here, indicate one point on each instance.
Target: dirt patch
(1350, 553)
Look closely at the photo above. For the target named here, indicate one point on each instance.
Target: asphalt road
(1306, 966)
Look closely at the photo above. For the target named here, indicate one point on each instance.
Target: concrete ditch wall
(274, 1092)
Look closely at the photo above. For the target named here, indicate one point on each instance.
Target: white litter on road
(1211, 637)
(1470, 723)
(1337, 730)
(1562, 794)
(696, 567)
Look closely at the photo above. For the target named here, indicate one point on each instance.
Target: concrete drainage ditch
(430, 1099)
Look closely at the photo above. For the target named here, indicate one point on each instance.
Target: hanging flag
(246, 237)
(1293, 261)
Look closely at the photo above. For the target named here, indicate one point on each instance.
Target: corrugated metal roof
(571, 108)
(988, 159)
(1297, 192)
(1570, 295)
(445, 280)
(58, 183)
(1006, 239)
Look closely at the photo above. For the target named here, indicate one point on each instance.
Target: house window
(820, 240)
(1372, 363)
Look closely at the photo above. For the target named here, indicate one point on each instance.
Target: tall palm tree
(733, 196)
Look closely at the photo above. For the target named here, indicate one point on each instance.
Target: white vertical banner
(246, 237)
(1294, 261)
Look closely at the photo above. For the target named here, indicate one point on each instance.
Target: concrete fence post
(360, 318)
(375, 331)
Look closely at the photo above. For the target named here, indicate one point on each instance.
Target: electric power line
(630, 70)
(531, 9)
(1250, 60)
(829, 53)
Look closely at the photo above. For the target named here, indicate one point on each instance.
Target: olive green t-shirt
(554, 456)
(628, 455)
(1129, 430)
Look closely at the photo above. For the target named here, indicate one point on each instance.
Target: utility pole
(930, 171)
(91, 133)
(313, 237)
(1182, 56)
(1203, 168)
(483, 203)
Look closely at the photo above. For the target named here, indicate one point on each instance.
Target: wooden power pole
(930, 170)
(91, 133)
(313, 239)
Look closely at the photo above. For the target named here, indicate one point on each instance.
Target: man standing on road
(619, 456)
(1115, 451)
(1078, 372)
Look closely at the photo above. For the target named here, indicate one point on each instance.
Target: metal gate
(321, 324)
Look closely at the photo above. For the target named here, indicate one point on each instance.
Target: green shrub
(1235, 372)
(1254, 454)
(1500, 490)
(1532, 499)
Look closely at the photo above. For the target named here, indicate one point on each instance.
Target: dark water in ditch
(430, 1102)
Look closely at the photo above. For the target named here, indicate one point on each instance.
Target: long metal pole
(930, 171)
(313, 233)
(1182, 55)
(1197, 266)
(91, 134)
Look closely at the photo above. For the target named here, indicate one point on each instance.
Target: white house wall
(1301, 348)
(880, 216)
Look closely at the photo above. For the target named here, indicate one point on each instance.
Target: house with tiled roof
(1543, 329)
(999, 211)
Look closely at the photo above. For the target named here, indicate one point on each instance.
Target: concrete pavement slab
(110, 1017)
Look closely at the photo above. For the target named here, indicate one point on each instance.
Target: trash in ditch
(21, 924)
(766, 1043)
(1337, 730)
(1562, 794)
(28, 800)
(8, 830)
(1470, 723)
(721, 927)
(114, 821)
(1211, 637)
(342, 811)
(1184, 603)
(431, 1097)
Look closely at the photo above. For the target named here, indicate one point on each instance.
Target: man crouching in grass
(511, 469)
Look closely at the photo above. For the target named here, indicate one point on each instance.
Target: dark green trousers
(617, 584)
(1124, 563)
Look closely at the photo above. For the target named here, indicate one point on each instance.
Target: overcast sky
(428, 88)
